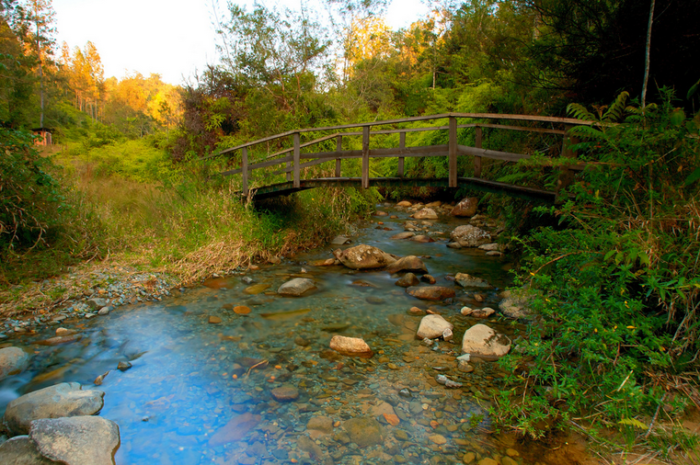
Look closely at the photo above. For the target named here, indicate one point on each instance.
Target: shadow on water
(264, 387)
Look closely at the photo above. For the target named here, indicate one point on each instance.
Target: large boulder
(466, 207)
(433, 326)
(483, 342)
(21, 450)
(61, 400)
(425, 214)
(350, 345)
(82, 440)
(431, 292)
(516, 304)
(296, 287)
(364, 257)
(409, 263)
(466, 280)
(470, 236)
(13, 360)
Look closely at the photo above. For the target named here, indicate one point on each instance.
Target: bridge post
(244, 170)
(452, 152)
(365, 157)
(338, 148)
(297, 155)
(402, 145)
(477, 160)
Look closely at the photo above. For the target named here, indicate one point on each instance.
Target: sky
(168, 37)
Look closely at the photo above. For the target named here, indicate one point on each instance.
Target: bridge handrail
(495, 116)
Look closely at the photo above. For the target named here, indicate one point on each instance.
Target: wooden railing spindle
(338, 148)
(477, 160)
(402, 145)
(297, 162)
(365, 157)
(452, 152)
(244, 170)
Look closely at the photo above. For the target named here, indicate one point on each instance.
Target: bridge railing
(291, 158)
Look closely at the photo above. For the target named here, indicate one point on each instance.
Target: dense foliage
(615, 286)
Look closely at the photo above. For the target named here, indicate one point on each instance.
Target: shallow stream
(200, 391)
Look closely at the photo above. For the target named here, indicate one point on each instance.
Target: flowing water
(200, 392)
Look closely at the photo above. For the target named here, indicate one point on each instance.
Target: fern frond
(579, 111)
(588, 132)
(633, 422)
(617, 109)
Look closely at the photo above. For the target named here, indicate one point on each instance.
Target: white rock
(489, 247)
(470, 236)
(483, 342)
(13, 360)
(447, 334)
(426, 214)
(432, 326)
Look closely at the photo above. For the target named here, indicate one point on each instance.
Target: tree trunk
(647, 61)
(41, 78)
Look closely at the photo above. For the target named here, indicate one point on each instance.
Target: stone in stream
(425, 214)
(235, 429)
(54, 341)
(13, 360)
(319, 426)
(349, 345)
(340, 240)
(465, 207)
(423, 239)
(256, 289)
(78, 440)
(490, 247)
(432, 326)
(364, 257)
(403, 235)
(380, 213)
(105, 310)
(483, 342)
(477, 312)
(466, 280)
(409, 263)
(21, 450)
(214, 320)
(286, 393)
(364, 432)
(426, 278)
(470, 236)
(123, 366)
(296, 287)
(431, 292)
(60, 400)
(404, 203)
(408, 280)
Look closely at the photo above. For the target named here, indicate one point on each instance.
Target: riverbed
(232, 372)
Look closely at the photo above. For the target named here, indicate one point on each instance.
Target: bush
(615, 337)
(30, 199)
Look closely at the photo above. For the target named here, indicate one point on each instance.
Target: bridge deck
(286, 188)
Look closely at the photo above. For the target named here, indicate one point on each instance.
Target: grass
(136, 211)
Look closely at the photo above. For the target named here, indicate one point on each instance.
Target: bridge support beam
(244, 170)
(477, 160)
(365, 157)
(402, 145)
(452, 152)
(297, 162)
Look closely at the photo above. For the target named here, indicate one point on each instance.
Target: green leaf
(694, 176)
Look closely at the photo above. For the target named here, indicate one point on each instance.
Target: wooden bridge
(291, 162)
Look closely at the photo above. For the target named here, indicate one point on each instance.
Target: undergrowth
(614, 287)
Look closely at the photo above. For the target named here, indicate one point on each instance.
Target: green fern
(578, 111)
(633, 422)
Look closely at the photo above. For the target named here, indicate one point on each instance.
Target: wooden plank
(308, 164)
(296, 162)
(304, 145)
(338, 148)
(365, 157)
(518, 128)
(493, 154)
(402, 146)
(532, 118)
(452, 153)
(244, 170)
(477, 159)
